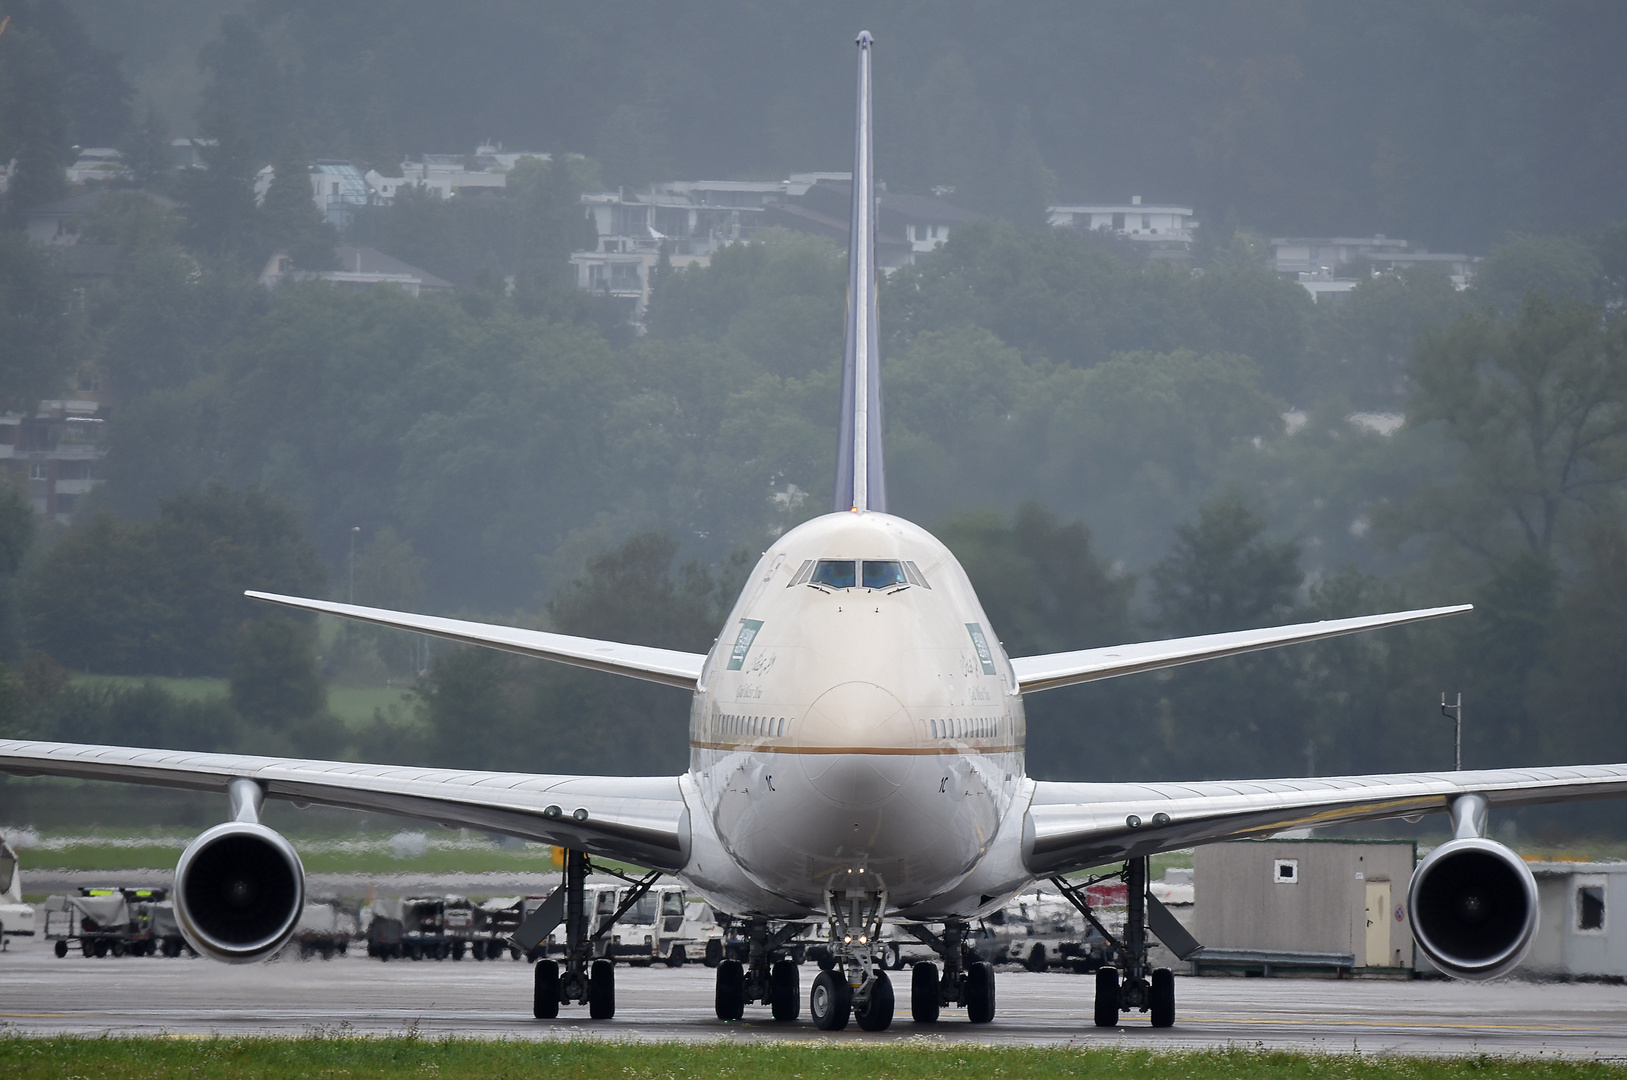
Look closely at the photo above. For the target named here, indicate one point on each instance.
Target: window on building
(1285, 871)
(37, 470)
(1118, 222)
(1590, 907)
(1146, 221)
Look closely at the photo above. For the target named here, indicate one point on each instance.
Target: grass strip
(903, 1058)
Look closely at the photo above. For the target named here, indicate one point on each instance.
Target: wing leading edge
(639, 819)
(667, 666)
(1051, 670)
(1073, 826)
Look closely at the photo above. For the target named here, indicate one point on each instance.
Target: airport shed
(1335, 906)
(1575, 938)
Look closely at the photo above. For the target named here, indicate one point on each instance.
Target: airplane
(856, 742)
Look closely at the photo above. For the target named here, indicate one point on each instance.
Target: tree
(1537, 404)
(17, 529)
(289, 216)
(166, 597)
(1364, 345)
(219, 194)
(145, 147)
(37, 325)
(1564, 269)
(1245, 715)
(275, 683)
(35, 133)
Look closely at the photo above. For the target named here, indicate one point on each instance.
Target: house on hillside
(1323, 257)
(54, 453)
(59, 222)
(1162, 230)
(361, 268)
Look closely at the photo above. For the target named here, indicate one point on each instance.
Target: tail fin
(861, 481)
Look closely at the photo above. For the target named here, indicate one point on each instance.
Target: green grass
(583, 1059)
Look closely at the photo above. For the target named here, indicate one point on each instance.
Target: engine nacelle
(239, 892)
(1474, 908)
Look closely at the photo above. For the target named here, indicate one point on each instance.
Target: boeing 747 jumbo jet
(856, 759)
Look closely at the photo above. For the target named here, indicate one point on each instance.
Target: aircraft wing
(638, 661)
(1074, 826)
(639, 819)
(1048, 671)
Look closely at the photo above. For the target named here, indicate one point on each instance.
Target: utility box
(1285, 904)
(1576, 938)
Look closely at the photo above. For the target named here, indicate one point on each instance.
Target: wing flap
(1074, 826)
(639, 819)
(667, 666)
(1051, 670)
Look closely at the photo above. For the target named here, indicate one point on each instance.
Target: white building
(1324, 256)
(96, 163)
(337, 188)
(1576, 937)
(1167, 230)
(360, 268)
(54, 453)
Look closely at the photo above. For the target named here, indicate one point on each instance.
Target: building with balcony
(1163, 231)
(54, 454)
(1323, 257)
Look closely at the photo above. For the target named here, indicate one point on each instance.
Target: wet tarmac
(42, 994)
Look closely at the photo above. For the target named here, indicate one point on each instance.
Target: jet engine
(239, 892)
(1474, 908)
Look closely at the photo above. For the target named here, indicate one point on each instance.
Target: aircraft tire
(602, 990)
(1163, 998)
(714, 953)
(877, 1013)
(924, 1003)
(980, 992)
(830, 1001)
(61, 948)
(1107, 997)
(785, 991)
(731, 990)
(545, 990)
(892, 957)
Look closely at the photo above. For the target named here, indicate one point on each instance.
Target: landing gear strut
(584, 979)
(768, 977)
(963, 984)
(1137, 986)
(854, 986)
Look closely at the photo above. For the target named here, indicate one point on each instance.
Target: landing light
(863, 939)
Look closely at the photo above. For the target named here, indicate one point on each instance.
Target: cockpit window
(834, 573)
(883, 575)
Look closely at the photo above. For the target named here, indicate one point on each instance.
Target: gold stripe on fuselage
(912, 751)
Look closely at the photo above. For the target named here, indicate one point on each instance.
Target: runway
(40, 994)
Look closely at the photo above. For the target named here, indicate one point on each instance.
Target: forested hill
(1450, 122)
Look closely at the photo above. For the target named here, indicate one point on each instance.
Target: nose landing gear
(854, 986)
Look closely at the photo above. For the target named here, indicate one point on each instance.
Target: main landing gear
(767, 977)
(966, 981)
(583, 979)
(1121, 991)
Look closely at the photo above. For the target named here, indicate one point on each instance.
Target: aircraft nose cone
(845, 738)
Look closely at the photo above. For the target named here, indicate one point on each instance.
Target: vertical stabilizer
(861, 482)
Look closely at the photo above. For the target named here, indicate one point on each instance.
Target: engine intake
(1474, 908)
(239, 892)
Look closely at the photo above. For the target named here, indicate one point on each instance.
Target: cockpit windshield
(848, 573)
(883, 575)
(834, 573)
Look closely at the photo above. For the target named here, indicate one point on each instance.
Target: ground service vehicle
(110, 921)
(16, 917)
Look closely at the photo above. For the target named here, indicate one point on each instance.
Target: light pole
(354, 529)
(1455, 714)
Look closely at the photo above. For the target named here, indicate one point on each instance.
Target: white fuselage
(857, 735)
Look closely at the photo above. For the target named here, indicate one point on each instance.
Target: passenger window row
(730, 724)
(866, 573)
(985, 727)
